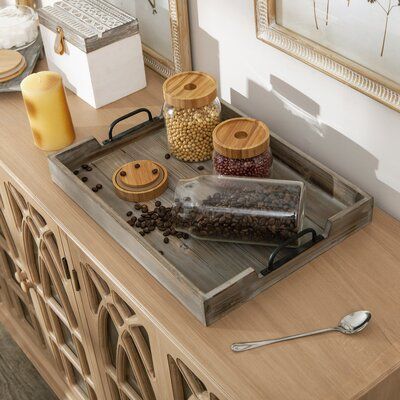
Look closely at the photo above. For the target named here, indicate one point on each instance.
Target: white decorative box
(95, 47)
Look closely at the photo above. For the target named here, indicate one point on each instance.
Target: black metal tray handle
(112, 138)
(273, 265)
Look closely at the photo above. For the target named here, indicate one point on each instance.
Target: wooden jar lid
(241, 138)
(190, 90)
(141, 180)
(12, 64)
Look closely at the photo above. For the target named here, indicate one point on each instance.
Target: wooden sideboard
(98, 326)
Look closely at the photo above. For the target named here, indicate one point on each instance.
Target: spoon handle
(244, 346)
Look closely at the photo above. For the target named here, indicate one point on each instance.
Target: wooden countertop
(363, 272)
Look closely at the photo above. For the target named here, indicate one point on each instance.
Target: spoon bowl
(354, 322)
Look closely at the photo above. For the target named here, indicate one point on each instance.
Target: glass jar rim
(30, 12)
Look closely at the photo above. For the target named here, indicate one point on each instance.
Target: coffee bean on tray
(84, 179)
(129, 213)
(99, 186)
(167, 156)
(166, 240)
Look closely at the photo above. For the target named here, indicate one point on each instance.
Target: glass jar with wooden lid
(241, 148)
(191, 110)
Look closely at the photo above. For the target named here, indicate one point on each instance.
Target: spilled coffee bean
(161, 218)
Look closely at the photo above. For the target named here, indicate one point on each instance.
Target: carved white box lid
(89, 24)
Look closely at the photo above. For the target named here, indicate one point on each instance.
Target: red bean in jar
(242, 148)
(259, 166)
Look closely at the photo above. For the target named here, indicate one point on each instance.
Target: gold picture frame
(182, 57)
(344, 70)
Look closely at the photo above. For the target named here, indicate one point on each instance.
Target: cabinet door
(18, 303)
(50, 281)
(126, 341)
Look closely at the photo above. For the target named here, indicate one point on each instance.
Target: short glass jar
(242, 148)
(19, 27)
(191, 110)
(240, 210)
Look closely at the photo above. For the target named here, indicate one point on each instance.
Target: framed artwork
(165, 35)
(354, 41)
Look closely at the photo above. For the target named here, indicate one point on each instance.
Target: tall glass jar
(238, 209)
(191, 110)
(242, 148)
(19, 27)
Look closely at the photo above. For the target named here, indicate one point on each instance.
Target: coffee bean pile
(161, 218)
(259, 166)
(190, 131)
(267, 216)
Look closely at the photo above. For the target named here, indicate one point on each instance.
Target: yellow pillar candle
(48, 111)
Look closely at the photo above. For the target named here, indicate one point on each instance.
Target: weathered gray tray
(209, 278)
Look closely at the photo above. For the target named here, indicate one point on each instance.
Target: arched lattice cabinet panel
(124, 342)
(124, 337)
(185, 384)
(47, 278)
(18, 303)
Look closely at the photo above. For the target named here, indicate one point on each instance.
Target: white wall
(351, 133)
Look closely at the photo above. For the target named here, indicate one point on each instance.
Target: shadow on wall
(299, 124)
(202, 38)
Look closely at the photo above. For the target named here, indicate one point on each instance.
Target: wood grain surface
(140, 180)
(191, 89)
(241, 138)
(362, 272)
(12, 64)
(9, 60)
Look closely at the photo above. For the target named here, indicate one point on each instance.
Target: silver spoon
(350, 324)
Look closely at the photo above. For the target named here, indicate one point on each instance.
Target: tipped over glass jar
(240, 210)
(241, 148)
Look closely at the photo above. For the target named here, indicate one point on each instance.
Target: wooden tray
(209, 278)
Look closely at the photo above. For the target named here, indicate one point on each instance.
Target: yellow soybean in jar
(191, 110)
